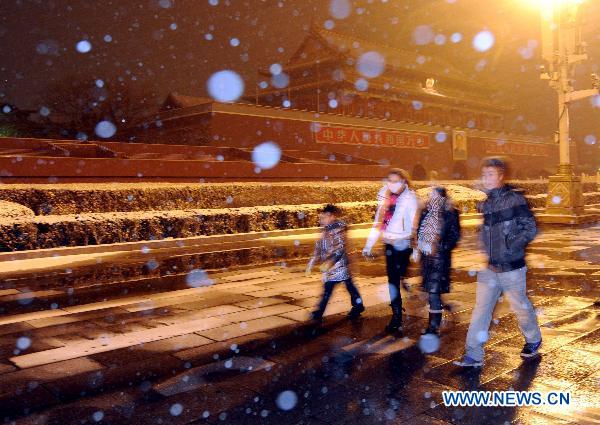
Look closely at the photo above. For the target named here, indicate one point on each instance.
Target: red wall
(248, 131)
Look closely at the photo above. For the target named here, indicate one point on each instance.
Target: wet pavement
(234, 346)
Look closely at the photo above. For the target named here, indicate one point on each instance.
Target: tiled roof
(353, 47)
(175, 100)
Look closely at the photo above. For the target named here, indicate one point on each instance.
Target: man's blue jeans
(490, 286)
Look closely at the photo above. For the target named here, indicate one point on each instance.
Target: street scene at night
(300, 212)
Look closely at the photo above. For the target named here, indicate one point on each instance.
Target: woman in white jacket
(394, 222)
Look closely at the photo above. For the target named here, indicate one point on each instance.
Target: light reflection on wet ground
(224, 347)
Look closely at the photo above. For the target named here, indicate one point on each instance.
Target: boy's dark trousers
(329, 285)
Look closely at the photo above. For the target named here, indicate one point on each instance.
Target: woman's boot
(433, 327)
(395, 324)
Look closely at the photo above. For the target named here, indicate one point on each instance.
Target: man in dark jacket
(508, 227)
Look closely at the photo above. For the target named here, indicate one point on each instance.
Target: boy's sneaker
(467, 361)
(316, 316)
(356, 311)
(531, 349)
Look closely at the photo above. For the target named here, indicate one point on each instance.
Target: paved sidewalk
(234, 346)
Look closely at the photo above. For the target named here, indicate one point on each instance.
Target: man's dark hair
(331, 209)
(497, 163)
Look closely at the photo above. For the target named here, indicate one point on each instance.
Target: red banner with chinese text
(514, 148)
(372, 137)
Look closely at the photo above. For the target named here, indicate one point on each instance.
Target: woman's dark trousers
(396, 262)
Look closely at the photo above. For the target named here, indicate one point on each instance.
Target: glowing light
(370, 64)
(484, 41)
(340, 9)
(548, 4)
(176, 409)
(361, 84)
(286, 400)
(266, 155)
(275, 69)
(590, 139)
(429, 343)
(225, 86)
(83, 46)
(280, 80)
(105, 129)
(440, 39)
(456, 37)
(23, 343)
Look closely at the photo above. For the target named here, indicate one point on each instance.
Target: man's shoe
(531, 349)
(356, 311)
(467, 361)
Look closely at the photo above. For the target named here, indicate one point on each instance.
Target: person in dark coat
(437, 235)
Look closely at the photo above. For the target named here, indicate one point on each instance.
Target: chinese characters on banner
(372, 137)
(513, 148)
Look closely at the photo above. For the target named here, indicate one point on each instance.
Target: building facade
(339, 97)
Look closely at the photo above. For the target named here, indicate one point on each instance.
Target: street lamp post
(563, 49)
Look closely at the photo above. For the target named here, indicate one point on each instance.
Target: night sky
(160, 46)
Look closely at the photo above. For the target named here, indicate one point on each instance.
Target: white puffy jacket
(400, 228)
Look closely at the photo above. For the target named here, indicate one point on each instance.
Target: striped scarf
(430, 228)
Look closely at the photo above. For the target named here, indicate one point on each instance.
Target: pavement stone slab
(341, 371)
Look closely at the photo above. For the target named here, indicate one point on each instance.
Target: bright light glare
(543, 4)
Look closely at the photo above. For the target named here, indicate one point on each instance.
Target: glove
(325, 266)
(366, 252)
(309, 267)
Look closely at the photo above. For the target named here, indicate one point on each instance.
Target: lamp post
(563, 49)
